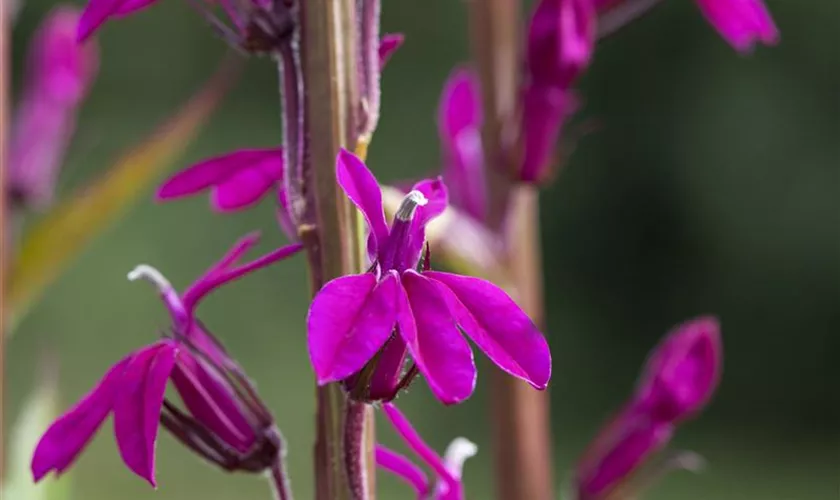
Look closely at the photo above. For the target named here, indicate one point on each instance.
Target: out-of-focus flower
(459, 125)
(388, 46)
(59, 75)
(560, 44)
(361, 327)
(742, 23)
(679, 378)
(224, 421)
(236, 180)
(447, 469)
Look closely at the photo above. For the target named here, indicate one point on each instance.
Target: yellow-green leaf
(36, 415)
(71, 224)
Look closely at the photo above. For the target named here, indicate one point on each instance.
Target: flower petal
(69, 434)
(265, 167)
(741, 23)
(241, 190)
(137, 408)
(498, 326)
(683, 371)
(361, 187)
(459, 123)
(628, 449)
(98, 11)
(404, 469)
(349, 320)
(389, 44)
(442, 354)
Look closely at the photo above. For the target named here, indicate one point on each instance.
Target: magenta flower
(447, 469)
(679, 378)
(561, 41)
(236, 181)
(59, 75)
(361, 327)
(683, 371)
(459, 125)
(742, 23)
(224, 421)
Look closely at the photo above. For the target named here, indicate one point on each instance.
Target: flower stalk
(329, 229)
(520, 416)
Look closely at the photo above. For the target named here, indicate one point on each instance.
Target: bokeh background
(710, 185)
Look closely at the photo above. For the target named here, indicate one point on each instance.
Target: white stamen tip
(409, 205)
(458, 451)
(152, 275)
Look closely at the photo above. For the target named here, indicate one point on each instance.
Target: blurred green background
(710, 186)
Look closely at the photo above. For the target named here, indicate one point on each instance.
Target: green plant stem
(332, 237)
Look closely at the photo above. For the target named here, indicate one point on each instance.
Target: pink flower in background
(447, 469)
(560, 45)
(225, 423)
(388, 45)
(236, 181)
(459, 126)
(742, 23)
(361, 327)
(58, 77)
(679, 378)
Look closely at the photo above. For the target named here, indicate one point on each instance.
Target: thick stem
(332, 237)
(520, 417)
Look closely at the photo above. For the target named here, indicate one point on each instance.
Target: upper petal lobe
(361, 187)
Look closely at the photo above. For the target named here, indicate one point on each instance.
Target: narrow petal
(498, 326)
(404, 469)
(98, 11)
(629, 451)
(349, 320)
(741, 23)
(211, 401)
(683, 370)
(414, 441)
(442, 354)
(361, 187)
(137, 409)
(65, 439)
(240, 178)
(241, 190)
(460, 104)
(388, 45)
(545, 110)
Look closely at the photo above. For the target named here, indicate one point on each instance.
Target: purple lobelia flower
(224, 421)
(447, 469)
(59, 75)
(236, 181)
(561, 40)
(742, 23)
(361, 327)
(679, 378)
(459, 126)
